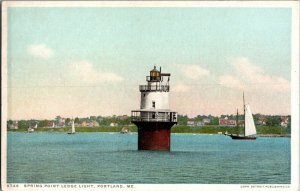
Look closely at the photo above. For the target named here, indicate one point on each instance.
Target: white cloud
(230, 81)
(251, 77)
(192, 71)
(40, 51)
(180, 88)
(85, 72)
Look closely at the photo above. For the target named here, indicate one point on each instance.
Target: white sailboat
(73, 128)
(250, 129)
(249, 126)
(30, 130)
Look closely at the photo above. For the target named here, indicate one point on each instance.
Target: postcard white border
(287, 4)
(3, 95)
(294, 5)
(295, 99)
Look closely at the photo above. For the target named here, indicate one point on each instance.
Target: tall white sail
(249, 122)
(73, 127)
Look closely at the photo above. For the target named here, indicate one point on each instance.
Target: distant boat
(73, 128)
(124, 130)
(249, 126)
(30, 130)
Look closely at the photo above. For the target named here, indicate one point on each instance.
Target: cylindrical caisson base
(154, 135)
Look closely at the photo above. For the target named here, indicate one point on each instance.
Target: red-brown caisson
(154, 119)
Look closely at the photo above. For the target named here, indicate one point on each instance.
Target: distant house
(113, 124)
(51, 124)
(89, 123)
(70, 123)
(94, 124)
(13, 125)
(99, 119)
(283, 124)
(206, 121)
(262, 120)
(60, 122)
(284, 121)
(84, 123)
(227, 122)
(199, 123)
(123, 117)
(193, 123)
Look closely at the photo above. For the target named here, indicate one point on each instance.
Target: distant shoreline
(259, 135)
(262, 135)
(262, 131)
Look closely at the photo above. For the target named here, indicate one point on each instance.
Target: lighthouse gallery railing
(151, 116)
(164, 88)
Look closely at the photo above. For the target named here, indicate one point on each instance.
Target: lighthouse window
(144, 95)
(153, 104)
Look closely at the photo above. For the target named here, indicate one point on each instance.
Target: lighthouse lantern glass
(154, 74)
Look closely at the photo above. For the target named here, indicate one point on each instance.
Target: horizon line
(130, 116)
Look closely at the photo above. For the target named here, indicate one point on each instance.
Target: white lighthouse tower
(154, 119)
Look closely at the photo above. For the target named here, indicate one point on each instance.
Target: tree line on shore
(209, 129)
(271, 124)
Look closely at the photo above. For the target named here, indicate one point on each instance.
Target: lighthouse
(154, 119)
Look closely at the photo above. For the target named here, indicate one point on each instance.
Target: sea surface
(42, 157)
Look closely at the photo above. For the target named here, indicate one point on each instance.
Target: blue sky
(90, 61)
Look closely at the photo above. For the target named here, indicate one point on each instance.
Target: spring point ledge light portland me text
(154, 119)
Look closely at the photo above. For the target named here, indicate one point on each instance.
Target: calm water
(113, 158)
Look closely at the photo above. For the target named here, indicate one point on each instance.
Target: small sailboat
(73, 128)
(30, 130)
(124, 130)
(249, 126)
